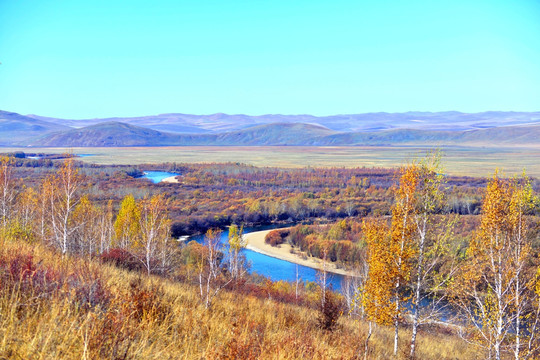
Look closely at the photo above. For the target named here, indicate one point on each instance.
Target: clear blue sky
(83, 59)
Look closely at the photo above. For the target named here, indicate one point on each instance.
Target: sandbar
(172, 179)
(255, 242)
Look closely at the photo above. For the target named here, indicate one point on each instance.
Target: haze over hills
(120, 134)
(442, 128)
(214, 123)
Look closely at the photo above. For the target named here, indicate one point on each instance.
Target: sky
(85, 59)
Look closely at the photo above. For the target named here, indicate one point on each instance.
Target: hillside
(69, 307)
(15, 127)
(218, 123)
(412, 128)
(507, 135)
(274, 134)
(120, 134)
(107, 134)
(288, 134)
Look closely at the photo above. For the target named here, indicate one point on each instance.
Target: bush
(273, 238)
(122, 259)
(331, 310)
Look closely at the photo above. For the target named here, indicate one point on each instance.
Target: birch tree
(63, 198)
(86, 235)
(521, 201)
(127, 224)
(390, 254)
(210, 268)
(431, 239)
(494, 276)
(236, 244)
(154, 239)
(376, 296)
(402, 249)
(7, 192)
(106, 227)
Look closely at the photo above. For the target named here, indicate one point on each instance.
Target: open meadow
(469, 161)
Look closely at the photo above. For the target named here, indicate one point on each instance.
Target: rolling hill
(287, 134)
(15, 127)
(416, 128)
(107, 134)
(120, 134)
(218, 123)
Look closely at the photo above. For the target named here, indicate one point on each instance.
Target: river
(276, 269)
(273, 268)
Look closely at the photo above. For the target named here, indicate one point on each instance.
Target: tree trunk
(396, 335)
(396, 327)
(366, 345)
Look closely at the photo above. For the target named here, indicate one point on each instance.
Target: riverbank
(255, 242)
(172, 179)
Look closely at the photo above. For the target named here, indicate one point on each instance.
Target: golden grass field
(471, 161)
(64, 307)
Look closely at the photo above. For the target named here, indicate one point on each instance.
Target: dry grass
(54, 307)
(471, 161)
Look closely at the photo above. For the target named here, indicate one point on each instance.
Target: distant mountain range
(440, 128)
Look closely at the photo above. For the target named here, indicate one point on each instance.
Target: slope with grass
(63, 307)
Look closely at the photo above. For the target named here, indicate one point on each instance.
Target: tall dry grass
(54, 307)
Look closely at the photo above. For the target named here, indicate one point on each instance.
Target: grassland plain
(470, 161)
(68, 307)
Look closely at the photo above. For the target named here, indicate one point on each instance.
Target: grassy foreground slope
(56, 307)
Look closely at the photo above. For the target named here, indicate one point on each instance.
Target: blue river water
(157, 176)
(277, 269)
(273, 268)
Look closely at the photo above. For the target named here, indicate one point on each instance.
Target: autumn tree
(26, 207)
(62, 197)
(127, 224)
(376, 297)
(404, 254)
(7, 193)
(106, 227)
(431, 237)
(22, 224)
(210, 268)
(531, 346)
(402, 247)
(45, 208)
(153, 243)
(86, 235)
(492, 286)
(522, 201)
(237, 242)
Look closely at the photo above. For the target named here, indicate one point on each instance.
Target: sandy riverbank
(255, 242)
(172, 179)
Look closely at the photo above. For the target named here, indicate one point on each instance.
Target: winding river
(273, 268)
